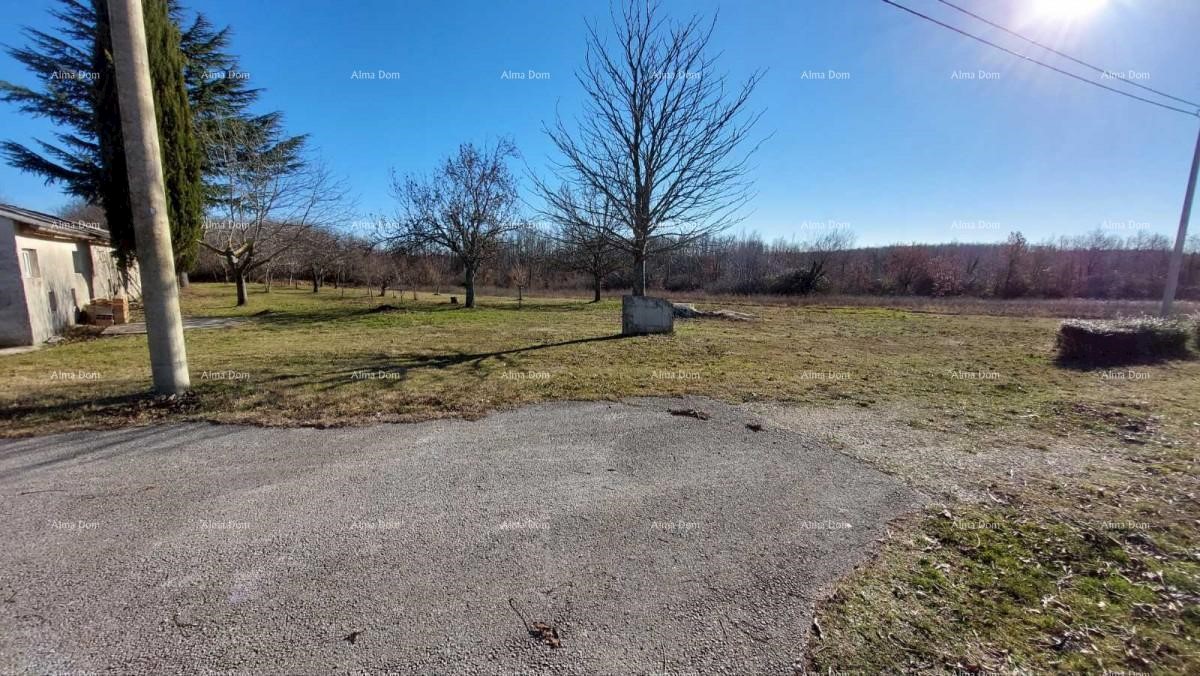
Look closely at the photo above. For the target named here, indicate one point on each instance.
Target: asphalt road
(651, 542)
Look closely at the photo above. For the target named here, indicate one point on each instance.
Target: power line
(1102, 71)
(1040, 63)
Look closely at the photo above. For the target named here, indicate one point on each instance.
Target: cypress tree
(181, 157)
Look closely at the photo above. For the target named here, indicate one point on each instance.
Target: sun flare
(1066, 9)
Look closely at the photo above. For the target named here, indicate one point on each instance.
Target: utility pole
(156, 261)
(1177, 255)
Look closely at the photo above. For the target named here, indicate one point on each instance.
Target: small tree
(1012, 282)
(584, 246)
(466, 208)
(659, 139)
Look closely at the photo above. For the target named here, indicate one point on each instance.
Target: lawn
(327, 359)
(1038, 577)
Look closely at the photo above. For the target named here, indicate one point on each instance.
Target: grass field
(1095, 568)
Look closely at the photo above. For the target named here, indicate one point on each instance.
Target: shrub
(1115, 341)
(800, 282)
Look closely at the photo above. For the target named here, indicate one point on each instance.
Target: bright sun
(1066, 9)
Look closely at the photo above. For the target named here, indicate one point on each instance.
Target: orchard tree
(584, 246)
(270, 196)
(466, 208)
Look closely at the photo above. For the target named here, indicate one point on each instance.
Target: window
(77, 261)
(30, 262)
(53, 302)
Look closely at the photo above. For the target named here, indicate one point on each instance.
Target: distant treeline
(1097, 265)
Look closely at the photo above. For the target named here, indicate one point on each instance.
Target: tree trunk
(469, 284)
(268, 276)
(240, 277)
(383, 289)
(183, 280)
(595, 288)
(316, 281)
(639, 274)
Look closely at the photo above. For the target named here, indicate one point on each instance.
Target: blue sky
(899, 149)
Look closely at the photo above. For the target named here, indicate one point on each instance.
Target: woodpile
(108, 311)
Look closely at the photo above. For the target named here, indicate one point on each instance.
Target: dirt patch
(689, 311)
(972, 467)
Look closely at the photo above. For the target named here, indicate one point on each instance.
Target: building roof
(53, 225)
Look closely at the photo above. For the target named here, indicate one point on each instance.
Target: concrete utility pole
(156, 261)
(1177, 255)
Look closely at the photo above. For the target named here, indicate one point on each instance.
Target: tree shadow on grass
(388, 368)
(299, 318)
(534, 306)
(441, 361)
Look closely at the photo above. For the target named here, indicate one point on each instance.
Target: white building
(50, 269)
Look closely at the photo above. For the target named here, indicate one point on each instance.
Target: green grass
(1021, 589)
(1024, 592)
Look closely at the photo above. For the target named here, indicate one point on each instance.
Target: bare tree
(323, 251)
(582, 227)
(466, 208)
(660, 136)
(268, 196)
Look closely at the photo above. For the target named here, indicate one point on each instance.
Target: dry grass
(324, 359)
(1084, 308)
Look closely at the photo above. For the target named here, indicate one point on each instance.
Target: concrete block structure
(643, 314)
(50, 270)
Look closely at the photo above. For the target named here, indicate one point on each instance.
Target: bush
(798, 283)
(1116, 341)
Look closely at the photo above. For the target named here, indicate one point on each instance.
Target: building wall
(97, 277)
(58, 276)
(14, 316)
(106, 276)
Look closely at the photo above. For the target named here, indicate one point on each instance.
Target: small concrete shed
(50, 269)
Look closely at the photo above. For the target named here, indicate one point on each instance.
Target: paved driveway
(653, 543)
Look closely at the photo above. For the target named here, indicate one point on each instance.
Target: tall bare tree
(661, 135)
(466, 208)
